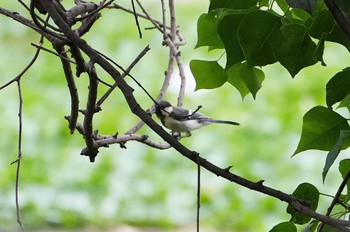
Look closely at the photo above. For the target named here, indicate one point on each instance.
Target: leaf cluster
(256, 33)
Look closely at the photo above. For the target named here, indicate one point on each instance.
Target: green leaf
(338, 87)
(300, 15)
(227, 29)
(324, 23)
(234, 78)
(328, 228)
(207, 31)
(297, 49)
(321, 129)
(311, 227)
(259, 36)
(232, 4)
(283, 5)
(333, 154)
(308, 193)
(318, 53)
(264, 3)
(344, 169)
(284, 227)
(245, 80)
(307, 5)
(345, 103)
(208, 74)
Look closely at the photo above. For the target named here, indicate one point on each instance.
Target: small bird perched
(179, 119)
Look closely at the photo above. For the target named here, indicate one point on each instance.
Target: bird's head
(162, 108)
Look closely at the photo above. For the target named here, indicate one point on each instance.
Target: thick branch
(339, 17)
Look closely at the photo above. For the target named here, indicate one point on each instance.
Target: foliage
(253, 34)
(308, 193)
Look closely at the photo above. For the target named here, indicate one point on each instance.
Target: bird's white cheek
(167, 110)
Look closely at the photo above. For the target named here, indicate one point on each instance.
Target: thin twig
(71, 87)
(104, 141)
(136, 19)
(19, 157)
(53, 53)
(336, 198)
(24, 5)
(25, 69)
(198, 193)
(182, 89)
(163, 19)
(128, 70)
(117, 6)
(172, 20)
(170, 40)
(20, 122)
(148, 16)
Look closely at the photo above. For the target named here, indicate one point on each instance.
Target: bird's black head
(160, 106)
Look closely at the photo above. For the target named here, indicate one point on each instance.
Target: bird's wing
(182, 114)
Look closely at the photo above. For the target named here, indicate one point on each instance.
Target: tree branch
(339, 17)
(71, 87)
(91, 147)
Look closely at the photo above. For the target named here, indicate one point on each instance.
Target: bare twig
(19, 157)
(26, 68)
(53, 53)
(20, 122)
(172, 33)
(117, 6)
(136, 19)
(174, 53)
(71, 87)
(98, 9)
(163, 19)
(148, 16)
(92, 149)
(131, 66)
(79, 60)
(87, 8)
(104, 141)
(198, 194)
(336, 198)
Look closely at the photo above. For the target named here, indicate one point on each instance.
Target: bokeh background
(140, 188)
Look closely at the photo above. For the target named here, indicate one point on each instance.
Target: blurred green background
(139, 186)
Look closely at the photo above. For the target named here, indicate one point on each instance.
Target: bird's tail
(225, 122)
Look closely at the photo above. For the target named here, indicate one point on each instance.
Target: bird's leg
(176, 135)
(188, 134)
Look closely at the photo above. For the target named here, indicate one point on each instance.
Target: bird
(179, 119)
